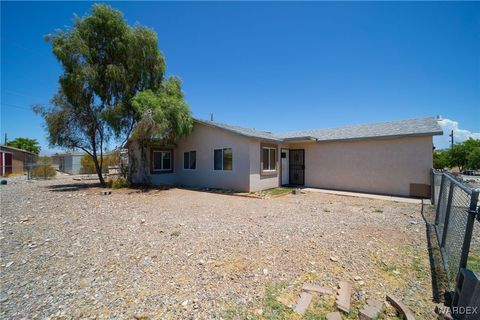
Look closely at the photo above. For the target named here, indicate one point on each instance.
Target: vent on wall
(420, 190)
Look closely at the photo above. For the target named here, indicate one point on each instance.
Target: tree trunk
(98, 168)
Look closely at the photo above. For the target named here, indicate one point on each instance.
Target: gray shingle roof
(412, 127)
(249, 133)
(423, 126)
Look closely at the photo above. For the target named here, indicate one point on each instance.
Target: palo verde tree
(106, 63)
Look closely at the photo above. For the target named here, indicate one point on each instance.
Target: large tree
(25, 144)
(105, 64)
(460, 153)
(474, 159)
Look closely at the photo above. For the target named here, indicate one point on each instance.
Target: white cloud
(442, 142)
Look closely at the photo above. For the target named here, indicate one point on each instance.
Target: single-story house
(68, 162)
(15, 161)
(385, 158)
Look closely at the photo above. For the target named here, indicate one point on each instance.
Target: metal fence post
(442, 182)
(447, 215)
(432, 186)
(472, 212)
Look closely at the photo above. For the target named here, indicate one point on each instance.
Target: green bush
(43, 169)
(119, 183)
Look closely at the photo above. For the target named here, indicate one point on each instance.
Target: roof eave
(425, 134)
(300, 139)
(236, 132)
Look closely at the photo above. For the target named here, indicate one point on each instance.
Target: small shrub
(88, 166)
(175, 233)
(119, 183)
(43, 169)
(378, 210)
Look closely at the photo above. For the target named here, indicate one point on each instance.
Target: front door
(297, 167)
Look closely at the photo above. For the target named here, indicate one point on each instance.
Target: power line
(21, 94)
(15, 106)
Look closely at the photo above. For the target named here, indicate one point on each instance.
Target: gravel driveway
(69, 252)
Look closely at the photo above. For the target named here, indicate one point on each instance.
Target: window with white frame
(223, 159)
(162, 160)
(269, 159)
(190, 160)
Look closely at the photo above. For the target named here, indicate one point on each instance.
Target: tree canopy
(464, 155)
(106, 63)
(163, 115)
(27, 144)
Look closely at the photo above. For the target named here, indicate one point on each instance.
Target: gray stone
(316, 289)
(343, 296)
(334, 316)
(401, 308)
(303, 303)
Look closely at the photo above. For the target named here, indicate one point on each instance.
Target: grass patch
(473, 262)
(326, 210)
(275, 305)
(378, 210)
(418, 267)
(272, 308)
(175, 233)
(276, 191)
(239, 312)
(387, 267)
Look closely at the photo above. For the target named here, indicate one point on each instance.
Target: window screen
(266, 154)
(227, 159)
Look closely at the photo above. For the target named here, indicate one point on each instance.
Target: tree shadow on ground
(73, 187)
(440, 288)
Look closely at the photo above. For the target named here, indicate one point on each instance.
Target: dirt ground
(68, 252)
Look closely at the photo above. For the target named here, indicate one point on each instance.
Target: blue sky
(275, 66)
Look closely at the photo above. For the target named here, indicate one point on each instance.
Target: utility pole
(5, 139)
(451, 138)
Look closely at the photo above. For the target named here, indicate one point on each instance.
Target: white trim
(161, 160)
(284, 167)
(183, 166)
(276, 159)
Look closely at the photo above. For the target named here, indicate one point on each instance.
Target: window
(162, 161)
(223, 159)
(190, 160)
(268, 159)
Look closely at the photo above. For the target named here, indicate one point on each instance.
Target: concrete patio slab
(365, 195)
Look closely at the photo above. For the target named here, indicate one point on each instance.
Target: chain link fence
(456, 224)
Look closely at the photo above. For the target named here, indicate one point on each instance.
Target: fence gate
(457, 228)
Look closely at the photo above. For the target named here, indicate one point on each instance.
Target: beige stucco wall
(385, 166)
(204, 139)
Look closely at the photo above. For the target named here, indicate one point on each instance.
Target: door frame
(285, 169)
(290, 163)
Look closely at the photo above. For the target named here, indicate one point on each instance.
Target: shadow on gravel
(439, 276)
(72, 187)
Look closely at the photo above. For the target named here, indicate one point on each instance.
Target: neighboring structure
(385, 158)
(68, 162)
(15, 161)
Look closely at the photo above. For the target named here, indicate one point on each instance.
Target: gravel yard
(68, 252)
